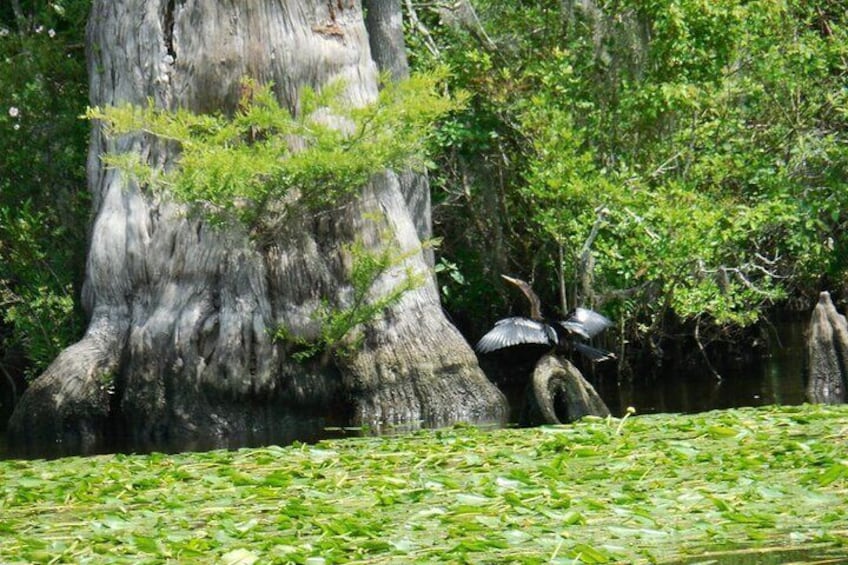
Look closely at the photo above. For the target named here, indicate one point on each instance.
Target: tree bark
(559, 394)
(385, 35)
(827, 352)
(180, 345)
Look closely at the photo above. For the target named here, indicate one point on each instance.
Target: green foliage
(706, 142)
(264, 157)
(713, 153)
(43, 207)
(340, 327)
(654, 489)
(257, 163)
(707, 207)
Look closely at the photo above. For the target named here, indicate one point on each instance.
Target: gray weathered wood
(384, 22)
(827, 352)
(180, 345)
(385, 34)
(559, 394)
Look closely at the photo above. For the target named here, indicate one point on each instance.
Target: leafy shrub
(248, 165)
(43, 204)
(340, 327)
(704, 142)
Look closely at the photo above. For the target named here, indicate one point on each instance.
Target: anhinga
(580, 324)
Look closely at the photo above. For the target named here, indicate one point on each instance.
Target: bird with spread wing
(579, 326)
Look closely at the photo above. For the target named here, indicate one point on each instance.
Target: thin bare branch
(12, 385)
(703, 351)
(425, 33)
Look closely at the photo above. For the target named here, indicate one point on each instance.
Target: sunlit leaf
(459, 494)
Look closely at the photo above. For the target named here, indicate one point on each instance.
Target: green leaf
(239, 557)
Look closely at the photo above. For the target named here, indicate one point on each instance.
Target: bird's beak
(509, 279)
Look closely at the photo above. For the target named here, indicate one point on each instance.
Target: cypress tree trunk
(827, 353)
(385, 35)
(180, 347)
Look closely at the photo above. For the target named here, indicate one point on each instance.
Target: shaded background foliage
(43, 202)
(678, 164)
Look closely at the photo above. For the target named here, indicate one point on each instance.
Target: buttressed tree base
(180, 345)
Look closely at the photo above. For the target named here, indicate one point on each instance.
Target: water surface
(775, 377)
(685, 386)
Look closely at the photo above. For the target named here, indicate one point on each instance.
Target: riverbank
(645, 489)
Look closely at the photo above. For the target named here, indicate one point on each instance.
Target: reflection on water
(777, 378)
(774, 379)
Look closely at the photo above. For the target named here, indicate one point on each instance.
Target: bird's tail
(594, 353)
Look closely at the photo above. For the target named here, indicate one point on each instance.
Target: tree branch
(12, 385)
(20, 19)
(703, 351)
(585, 263)
(563, 297)
(428, 38)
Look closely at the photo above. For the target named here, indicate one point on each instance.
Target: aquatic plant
(658, 488)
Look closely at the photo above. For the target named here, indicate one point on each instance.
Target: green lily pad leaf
(516, 537)
(590, 555)
(321, 455)
(472, 499)
(113, 523)
(719, 432)
(404, 545)
(750, 518)
(833, 473)
(572, 517)
(239, 557)
(146, 544)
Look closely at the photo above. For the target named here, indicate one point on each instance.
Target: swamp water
(776, 378)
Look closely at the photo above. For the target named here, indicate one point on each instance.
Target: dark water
(774, 378)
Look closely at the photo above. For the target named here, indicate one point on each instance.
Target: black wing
(594, 353)
(516, 331)
(585, 323)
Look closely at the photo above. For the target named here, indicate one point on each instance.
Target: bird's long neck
(535, 303)
(535, 306)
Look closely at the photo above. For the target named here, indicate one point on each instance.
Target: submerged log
(827, 351)
(559, 394)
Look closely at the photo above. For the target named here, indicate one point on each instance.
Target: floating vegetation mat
(721, 487)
